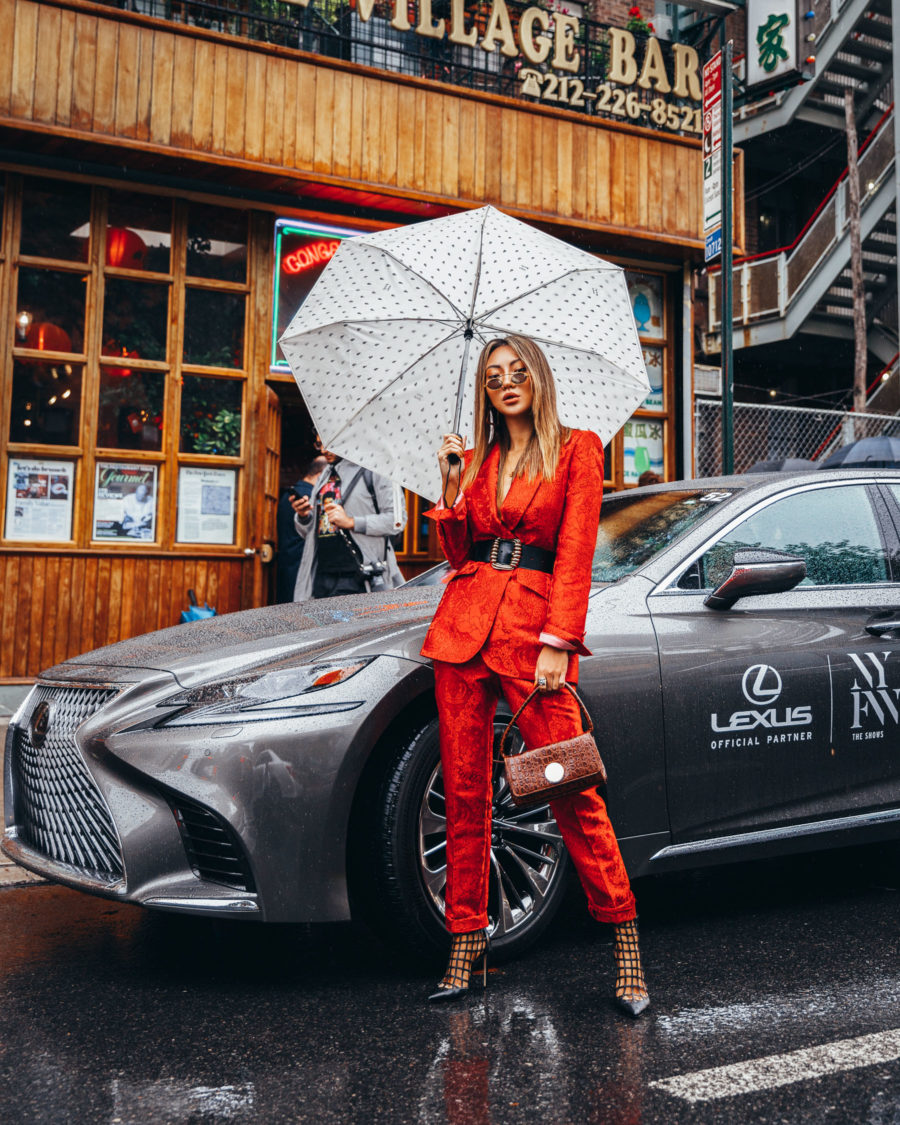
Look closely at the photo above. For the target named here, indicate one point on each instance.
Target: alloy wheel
(527, 854)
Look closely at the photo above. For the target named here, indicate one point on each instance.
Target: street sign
(713, 244)
(712, 156)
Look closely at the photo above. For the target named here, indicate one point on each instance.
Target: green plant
(219, 433)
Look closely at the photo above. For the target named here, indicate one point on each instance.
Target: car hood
(390, 623)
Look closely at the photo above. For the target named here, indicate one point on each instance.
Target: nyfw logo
(761, 685)
(872, 698)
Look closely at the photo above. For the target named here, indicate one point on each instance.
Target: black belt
(507, 554)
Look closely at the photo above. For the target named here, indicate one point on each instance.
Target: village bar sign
(641, 81)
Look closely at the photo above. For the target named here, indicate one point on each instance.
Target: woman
(505, 629)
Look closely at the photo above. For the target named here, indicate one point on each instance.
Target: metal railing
(765, 285)
(772, 433)
(335, 28)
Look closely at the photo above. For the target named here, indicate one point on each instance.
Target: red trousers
(467, 696)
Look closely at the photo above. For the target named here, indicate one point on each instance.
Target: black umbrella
(871, 453)
(785, 465)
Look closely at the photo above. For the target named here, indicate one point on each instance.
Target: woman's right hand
(451, 445)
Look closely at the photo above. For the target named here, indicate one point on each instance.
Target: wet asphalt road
(112, 1014)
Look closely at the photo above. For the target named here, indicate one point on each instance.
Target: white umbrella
(384, 348)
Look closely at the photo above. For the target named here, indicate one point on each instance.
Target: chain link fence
(772, 433)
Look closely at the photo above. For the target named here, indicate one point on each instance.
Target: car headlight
(273, 695)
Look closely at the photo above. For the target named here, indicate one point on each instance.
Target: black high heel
(465, 951)
(631, 988)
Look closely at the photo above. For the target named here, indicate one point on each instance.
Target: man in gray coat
(348, 503)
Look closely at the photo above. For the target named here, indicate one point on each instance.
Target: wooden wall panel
(56, 606)
(199, 94)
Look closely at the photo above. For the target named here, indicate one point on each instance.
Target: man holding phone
(348, 521)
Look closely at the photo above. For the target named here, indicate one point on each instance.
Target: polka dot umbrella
(384, 348)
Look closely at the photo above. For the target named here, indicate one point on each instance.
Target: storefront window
(216, 243)
(55, 219)
(130, 413)
(139, 234)
(211, 416)
(643, 439)
(50, 309)
(135, 319)
(46, 403)
(214, 328)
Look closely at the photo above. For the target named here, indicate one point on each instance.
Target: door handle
(879, 628)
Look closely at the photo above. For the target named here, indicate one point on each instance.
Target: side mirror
(757, 572)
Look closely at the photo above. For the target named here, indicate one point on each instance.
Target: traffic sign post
(718, 218)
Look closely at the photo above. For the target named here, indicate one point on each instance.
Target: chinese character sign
(772, 50)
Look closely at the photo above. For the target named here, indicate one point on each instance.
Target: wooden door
(264, 505)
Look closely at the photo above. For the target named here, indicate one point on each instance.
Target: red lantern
(125, 248)
(46, 337)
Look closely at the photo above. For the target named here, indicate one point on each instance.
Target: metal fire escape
(805, 286)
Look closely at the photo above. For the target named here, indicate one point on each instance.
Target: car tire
(529, 863)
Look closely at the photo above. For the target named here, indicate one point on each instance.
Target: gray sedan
(282, 764)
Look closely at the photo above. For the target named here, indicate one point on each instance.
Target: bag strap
(369, 478)
(534, 691)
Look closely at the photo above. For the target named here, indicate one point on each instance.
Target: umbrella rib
(371, 320)
(387, 386)
(538, 288)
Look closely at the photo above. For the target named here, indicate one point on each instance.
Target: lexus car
(281, 764)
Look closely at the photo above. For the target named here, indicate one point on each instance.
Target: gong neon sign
(302, 251)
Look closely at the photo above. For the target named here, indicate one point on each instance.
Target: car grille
(211, 845)
(59, 809)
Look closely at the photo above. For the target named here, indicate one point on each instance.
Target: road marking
(782, 1070)
(878, 996)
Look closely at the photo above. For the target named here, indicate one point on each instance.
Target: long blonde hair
(541, 456)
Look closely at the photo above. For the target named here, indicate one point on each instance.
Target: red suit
(485, 640)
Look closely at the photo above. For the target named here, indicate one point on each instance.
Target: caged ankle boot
(465, 951)
(631, 988)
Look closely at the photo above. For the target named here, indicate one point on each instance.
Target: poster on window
(643, 448)
(39, 500)
(206, 500)
(653, 362)
(125, 501)
(645, 291)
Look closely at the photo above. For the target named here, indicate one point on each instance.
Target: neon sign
(308, 256)
(302, 251)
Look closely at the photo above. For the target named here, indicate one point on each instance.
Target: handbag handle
(534, 691)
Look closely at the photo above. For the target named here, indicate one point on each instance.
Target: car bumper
(274, 797)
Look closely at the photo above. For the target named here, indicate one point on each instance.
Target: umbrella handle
(453, 458)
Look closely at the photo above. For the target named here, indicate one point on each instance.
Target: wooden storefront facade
(143, 167)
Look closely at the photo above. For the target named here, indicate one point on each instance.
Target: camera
(372, 569)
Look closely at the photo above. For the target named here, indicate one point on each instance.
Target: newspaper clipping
(39, 500)
(125, 501)
(206, 505)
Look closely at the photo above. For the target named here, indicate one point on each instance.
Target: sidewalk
(10, 874)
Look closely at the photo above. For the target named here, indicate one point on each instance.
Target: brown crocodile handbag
(541, 775)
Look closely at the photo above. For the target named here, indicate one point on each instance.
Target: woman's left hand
(552, 664)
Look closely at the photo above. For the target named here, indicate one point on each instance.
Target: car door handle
(879, 628)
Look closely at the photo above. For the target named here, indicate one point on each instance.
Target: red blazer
(501, 613)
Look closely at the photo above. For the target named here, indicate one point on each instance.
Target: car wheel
(528, 863)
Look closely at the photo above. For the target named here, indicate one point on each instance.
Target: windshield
(635, 528)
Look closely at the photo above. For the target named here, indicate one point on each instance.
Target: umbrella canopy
(871, 453)
(384, 348)
(785, 465)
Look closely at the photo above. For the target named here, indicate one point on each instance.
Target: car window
(833, 529)
(635, 528)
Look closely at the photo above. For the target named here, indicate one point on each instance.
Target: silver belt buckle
(516, 554)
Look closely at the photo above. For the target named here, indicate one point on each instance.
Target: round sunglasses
(495, 382)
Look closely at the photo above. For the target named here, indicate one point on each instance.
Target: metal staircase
(805, 287)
